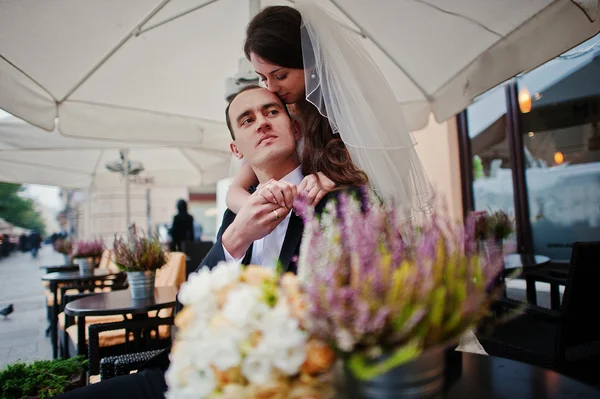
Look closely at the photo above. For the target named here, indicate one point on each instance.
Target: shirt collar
(294, 177)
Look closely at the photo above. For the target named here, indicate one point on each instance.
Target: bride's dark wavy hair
(274, 35)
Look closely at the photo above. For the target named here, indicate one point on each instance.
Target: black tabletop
(479, 376)
(98, 274)
(58, 267)
(120, 302)
(514, 261)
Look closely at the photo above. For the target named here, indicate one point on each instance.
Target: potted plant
(501, 227)
(63, 246)
(492, 229)
(87, 254)
(140, 256)
(42, 379)
(388, 303)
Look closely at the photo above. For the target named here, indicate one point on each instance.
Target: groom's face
(263, 130)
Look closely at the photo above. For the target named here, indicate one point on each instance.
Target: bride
(327, 78)
(350, 118)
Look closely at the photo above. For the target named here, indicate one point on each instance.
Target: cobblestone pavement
(22, 334)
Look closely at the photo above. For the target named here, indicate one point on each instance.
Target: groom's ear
(235, 151)
(296, 129)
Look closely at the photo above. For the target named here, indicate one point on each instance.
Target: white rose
(257, 367)
(225, 274)
(197, 384)
(196, 289)
(187, 374)
(226, 353)
(289, 360)
(241, 305)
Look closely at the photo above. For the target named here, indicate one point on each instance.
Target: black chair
(568, 340)
(195, 252)
(113, 366)
(555, 274)
(141, 335)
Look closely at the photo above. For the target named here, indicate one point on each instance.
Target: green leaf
(438, 303)
(365, 370)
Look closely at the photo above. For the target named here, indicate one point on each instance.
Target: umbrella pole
(125, 154)
(148, 211)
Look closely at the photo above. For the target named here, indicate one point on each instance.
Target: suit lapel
(248, 257)
(293, 235)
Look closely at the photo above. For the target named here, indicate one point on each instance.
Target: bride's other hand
(316, 186)
(279, 192)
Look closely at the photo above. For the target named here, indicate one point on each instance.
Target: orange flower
(232, 375)
(222, 295)
(304, 391)
(290, 283)
(184, 318)
(278, 387)
(319, 358)
(257, 275)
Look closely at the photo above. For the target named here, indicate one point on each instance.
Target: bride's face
(287, 83)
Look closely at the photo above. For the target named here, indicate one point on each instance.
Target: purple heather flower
(355, 251)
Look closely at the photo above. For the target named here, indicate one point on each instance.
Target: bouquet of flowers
(62, 246)
(242, 334)
(138, 253)
(380, 298)
(87, 249)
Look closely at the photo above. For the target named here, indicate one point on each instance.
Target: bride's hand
(279, 192)
(316, 186)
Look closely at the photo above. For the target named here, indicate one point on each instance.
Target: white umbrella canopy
(155, 70)
(30, 155)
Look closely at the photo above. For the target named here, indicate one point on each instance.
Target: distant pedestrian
(35, 240)
(182, 228)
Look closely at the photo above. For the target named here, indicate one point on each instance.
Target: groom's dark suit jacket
(289, 249)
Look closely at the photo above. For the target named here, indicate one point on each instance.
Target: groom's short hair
(247, 88)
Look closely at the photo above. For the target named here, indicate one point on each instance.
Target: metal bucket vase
(141, 284)
(85, 266)
(493, 245)
(421, 378)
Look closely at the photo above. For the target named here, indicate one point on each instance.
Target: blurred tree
(17, 210)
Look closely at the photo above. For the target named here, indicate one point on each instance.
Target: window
(491, 156)
(561, 140)
(558, 187)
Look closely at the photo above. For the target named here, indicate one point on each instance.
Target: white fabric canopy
(30, 155)
(155, 70)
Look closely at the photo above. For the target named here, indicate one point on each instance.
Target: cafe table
(70, 278)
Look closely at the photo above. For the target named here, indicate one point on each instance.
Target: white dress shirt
(265, 252)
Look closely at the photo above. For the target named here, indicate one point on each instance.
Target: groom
(262, 233)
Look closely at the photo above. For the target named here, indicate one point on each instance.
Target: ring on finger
(276, 214)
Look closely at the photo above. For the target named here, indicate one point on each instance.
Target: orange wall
(437, 146)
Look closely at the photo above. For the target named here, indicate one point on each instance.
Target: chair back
(172, 274)
(106, 262)
(581, 300)
(195, 252)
